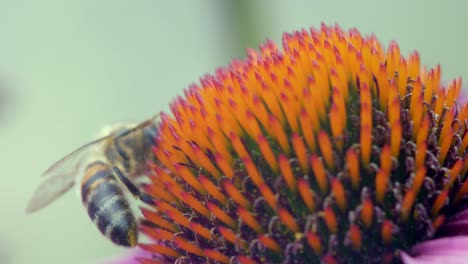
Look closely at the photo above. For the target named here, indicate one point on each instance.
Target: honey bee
(106, 167)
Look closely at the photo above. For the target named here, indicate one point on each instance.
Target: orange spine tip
(336, 125)
(417, 115)
(319, 173)
(267, 152)
(339, 194)
(235, 194)
(315, 243)
(439, 203)
(156, 233)
(286, 172)
(445, 146)
(420, 155)
(191, 201)
(216, 255)
(224, 165)
(228, 234)
(419, 179)
(158, 192)
(386, 159)
(355, 237)
(330, 219)
(185, 245)
(250, 220)
(237, 145)
(367, 213)
(253, 171)
(366, 144)
(205, 162)
(279, 134)
(253, 128)
(306, 194)
(189, 178)
(157, 219)
(308, 131)
(453, 173)
(447, 125)
(288, 220)
(268, 195)
(211, 188)
(407, 204)
(438, 222)
(387, 232)
(301, 151)
(221, 214)
(464, 144)
(269, 243)
(353, 168)
(402, 77)
(200, 230)
(177, 217)
(381, 183)
(326, 149)
(395, 138)
(461, 192)
(162, 250)
(439, 106)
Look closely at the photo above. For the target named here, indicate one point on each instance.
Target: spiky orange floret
(328, 150)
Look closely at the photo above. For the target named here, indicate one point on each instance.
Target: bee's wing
(60, 177)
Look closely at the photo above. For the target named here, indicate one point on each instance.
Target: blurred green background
(67, 68)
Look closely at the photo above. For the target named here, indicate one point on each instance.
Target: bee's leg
(134, 190)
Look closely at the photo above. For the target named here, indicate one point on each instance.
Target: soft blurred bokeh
(67, 68)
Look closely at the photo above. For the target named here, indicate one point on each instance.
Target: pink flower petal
(455, 225)
(448, 250)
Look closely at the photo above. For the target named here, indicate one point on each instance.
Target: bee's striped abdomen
(107, 206)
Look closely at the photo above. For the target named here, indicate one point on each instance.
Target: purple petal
(130, 258)
(448, 250)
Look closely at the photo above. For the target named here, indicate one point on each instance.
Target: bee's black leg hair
(134, 190)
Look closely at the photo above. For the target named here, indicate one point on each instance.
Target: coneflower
(329, 150)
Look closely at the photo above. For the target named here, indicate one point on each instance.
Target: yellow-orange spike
(336, 125)
(252, 170)
(286, 172)
(453, 92)
(156, 233)
(159, 249)
(319, 173)
(402, 77)
(395, 138)
(407, 204)
(447, 124)
(177, 217)
(301, 151)
(306, 194)
(191, 201)
(386, 159)
(355, 237)
(157, 219)
(366, 144)
(235, 194)
(381, 183)
(249, 220)
(279, 134)
(416, 94)
(231, 236)
(211, 188)
(267, 152)
(253, 129)
(464, 143)
(269, 242)
(439, 203)
(185, 245)
(445, 146)
(158, 192)
(339, 194)
(238, 146)
(418, 179)
(423, 131)
(288, 220)
(420, 155)
(308, 132)
(205, 162)
(221, 215)
(326, 149)
(315, 243)
(189, 178)
(330, 219)
(216, 255)
(453, 173)
(464, 169)
(394, 111)
(417, 115)
(440, 102)
(200, 230)
(386, 231)
(367, 213)
(461, 192)
(224, 165)
(429, 86)
(353, 168)
(438, 222)
(268, 195)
